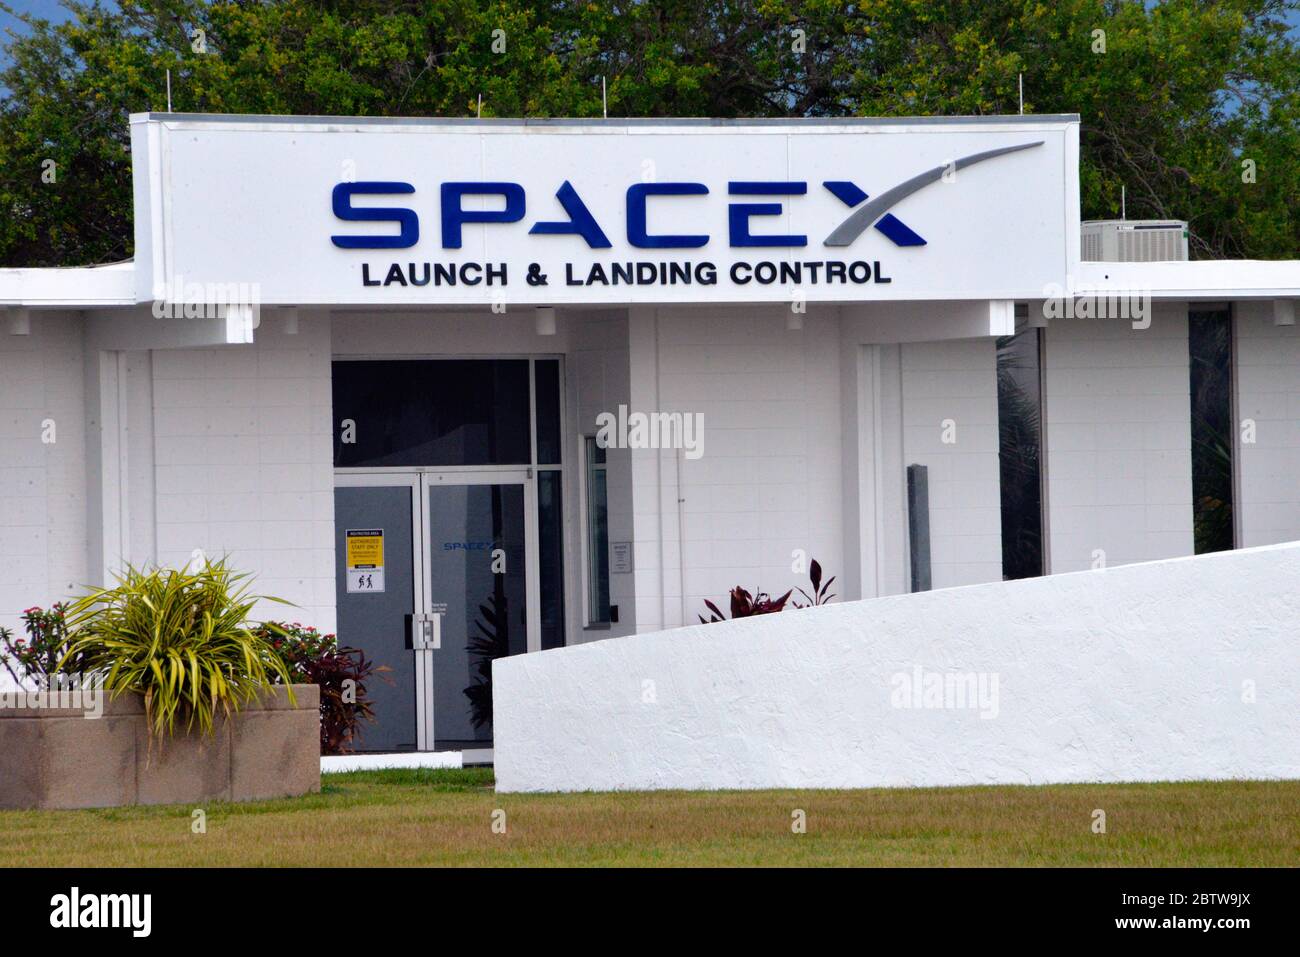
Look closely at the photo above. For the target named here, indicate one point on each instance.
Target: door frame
(361, 478)
(419, 479)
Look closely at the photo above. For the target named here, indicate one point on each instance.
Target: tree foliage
(1174, 97)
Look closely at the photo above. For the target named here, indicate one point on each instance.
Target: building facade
(467, 389)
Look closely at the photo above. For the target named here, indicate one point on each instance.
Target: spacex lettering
(750, 202)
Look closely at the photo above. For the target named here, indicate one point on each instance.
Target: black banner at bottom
(319, 905)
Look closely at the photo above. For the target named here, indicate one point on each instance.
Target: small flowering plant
(38, 655)
(297, 645)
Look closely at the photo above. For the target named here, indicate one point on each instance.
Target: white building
(368, 359)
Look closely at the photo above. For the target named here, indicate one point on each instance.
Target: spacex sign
(582, 223)
(457, 213)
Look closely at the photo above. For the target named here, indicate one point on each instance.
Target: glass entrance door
(480, 559)
(436, 578)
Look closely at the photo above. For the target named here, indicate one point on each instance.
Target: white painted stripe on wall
(337, 763)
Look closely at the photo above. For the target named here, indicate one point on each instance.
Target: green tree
(1173, 100)
(1182, 94)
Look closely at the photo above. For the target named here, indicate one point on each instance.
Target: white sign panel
(620, 558)
(442, 212)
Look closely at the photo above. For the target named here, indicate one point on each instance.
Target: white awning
(77, 287)
(1206, 279)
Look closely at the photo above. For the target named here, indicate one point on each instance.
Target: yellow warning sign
(365, 548)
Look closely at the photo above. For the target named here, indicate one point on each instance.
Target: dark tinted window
(550, 543)
(1209, 337)
(1020, 454)
(598, 611)
(546, 373)
(421, 412)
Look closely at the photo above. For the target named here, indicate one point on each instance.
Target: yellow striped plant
(181, 639)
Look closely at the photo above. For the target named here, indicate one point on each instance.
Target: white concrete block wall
(1145, 678)
(1268, 390)
(1118, 436)
(244, 463)
(769, 480)
(142, 514)
(949, 414)
(42, 485)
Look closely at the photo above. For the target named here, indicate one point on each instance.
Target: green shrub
(181, 639)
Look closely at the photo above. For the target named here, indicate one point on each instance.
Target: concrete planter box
(52, 758)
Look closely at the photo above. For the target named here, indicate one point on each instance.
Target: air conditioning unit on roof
(1134, 240)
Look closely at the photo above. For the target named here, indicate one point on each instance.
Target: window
(1209, 341)
(1020, 442)
(546, 389)
(597, 534)
(404, 412)
(550, 543)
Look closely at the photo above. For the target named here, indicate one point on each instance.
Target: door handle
(424, 632)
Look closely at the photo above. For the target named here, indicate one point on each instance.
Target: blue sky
(49, 9)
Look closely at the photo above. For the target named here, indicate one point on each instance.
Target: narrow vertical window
(1209, 340)
(550, 543)
(597, 535)
(546, 389)
(1020, 442)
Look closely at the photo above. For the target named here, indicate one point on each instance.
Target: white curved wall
(1179, 669)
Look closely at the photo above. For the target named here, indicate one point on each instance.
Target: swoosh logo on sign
(849, 230)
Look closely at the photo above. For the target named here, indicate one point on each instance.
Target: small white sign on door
(365, 560)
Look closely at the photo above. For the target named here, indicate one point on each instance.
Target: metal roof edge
(611, 122)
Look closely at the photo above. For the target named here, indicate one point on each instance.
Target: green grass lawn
(442, 817)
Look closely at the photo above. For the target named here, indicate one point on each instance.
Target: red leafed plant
(341, 674)
(342, 710)
(820, 591)
(744, 605)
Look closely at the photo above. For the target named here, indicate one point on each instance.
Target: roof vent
(1134, 240)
